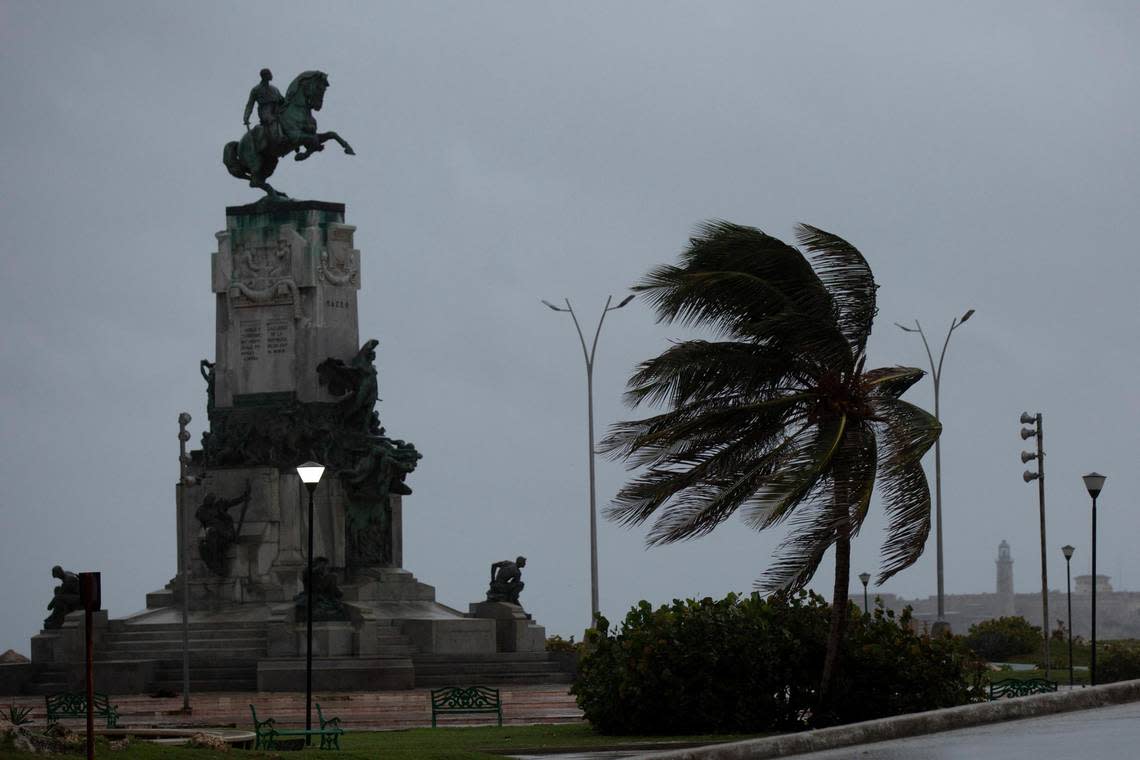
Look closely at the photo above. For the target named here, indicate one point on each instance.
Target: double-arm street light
(1094, 482)
(1038, 432)
(589, 357)
(940, 624)
(1068, 552)
(310, 473)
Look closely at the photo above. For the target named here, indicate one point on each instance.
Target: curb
(915, 724)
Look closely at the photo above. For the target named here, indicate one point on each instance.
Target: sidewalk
(361, 711)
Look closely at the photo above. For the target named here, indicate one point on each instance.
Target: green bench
(75, 706)
(473, 699)
(268, 733)
(1016, 687)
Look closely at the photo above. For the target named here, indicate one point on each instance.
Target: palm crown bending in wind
(778, 417)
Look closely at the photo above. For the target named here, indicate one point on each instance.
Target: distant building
(1118, 612)
(1082, 584)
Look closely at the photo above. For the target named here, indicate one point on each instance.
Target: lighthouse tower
(1004, 580)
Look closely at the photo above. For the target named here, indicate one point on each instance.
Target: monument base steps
(435, 670)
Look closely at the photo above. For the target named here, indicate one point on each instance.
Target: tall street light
(1068, 552)
(1094, 482)
(940, 625)
(310, 473)
(865, 577)
(1038, 432)
(589, 357)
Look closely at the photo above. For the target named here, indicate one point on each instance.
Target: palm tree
(776, 415)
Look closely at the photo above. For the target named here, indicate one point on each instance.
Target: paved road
(1107, 733)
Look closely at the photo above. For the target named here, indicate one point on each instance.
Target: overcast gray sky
(980, 155)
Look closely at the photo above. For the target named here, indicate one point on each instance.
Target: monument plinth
(291, 382)
(286, 277)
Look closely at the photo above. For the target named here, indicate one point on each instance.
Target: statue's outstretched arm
(243, 498)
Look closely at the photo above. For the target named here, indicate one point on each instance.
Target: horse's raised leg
(311, 144)
(326, 136)
(258, 182)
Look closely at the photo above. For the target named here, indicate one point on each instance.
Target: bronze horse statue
(255, 156)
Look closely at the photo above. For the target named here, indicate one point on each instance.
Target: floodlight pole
(1038, 431)
(589, 357)
(940, 624)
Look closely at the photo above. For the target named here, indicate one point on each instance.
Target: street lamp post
(310, 473)
(1068, 552)
(185, 479)
(865, 577)
(940, 624)
(1038, 432)
(589, 357)
(1094, 482)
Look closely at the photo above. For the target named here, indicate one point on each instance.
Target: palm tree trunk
(839, 612)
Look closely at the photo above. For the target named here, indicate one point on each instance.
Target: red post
(89, 594)
(90, 686)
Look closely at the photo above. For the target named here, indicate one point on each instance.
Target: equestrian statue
(286, 124)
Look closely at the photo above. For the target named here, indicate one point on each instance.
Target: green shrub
(751, 665)
(889, 670)
(1117, 662)
(19, 716)
(1004, 637)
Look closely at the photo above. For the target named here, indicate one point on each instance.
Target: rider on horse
(287, 124)
(269, 101)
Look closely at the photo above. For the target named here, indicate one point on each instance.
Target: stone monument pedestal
(515, 629)
(290, 382)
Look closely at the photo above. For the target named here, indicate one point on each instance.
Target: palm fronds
(775, 417)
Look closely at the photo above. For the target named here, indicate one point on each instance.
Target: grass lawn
(482, 743)
(1059, 658)
(1059, 654)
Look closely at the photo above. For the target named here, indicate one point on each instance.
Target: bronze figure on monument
(286, 124)
(65, 597)
(220, 531)
(506, 581)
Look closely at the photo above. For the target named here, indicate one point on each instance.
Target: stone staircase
(223, 656)
(390, 642)
(506, 668)
(51, 679)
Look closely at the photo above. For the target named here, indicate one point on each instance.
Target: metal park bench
(268, 733)
(75, 706)
(1016, 687)
(458, 699)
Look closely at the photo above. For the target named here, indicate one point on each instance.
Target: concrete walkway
(358, 711)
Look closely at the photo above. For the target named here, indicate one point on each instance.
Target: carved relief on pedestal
(339, 267)
(339, 262)
(262, 273)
